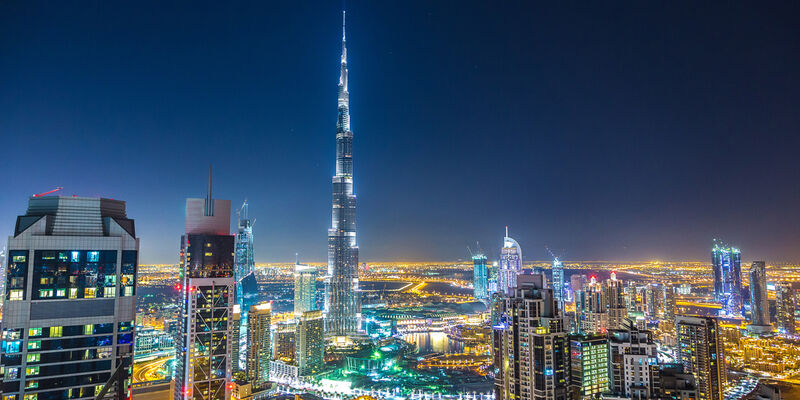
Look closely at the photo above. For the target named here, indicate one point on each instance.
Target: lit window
(73, 293)
(15, 294)
(93, 256)
(89, 293)
(34, 357)
(34, 344)
(31, 384)
(110, 292)
(19, 259)
(88, 329)
(32, 396)
(56, 331)
(61, 292)
(32, 371)
(34, 332)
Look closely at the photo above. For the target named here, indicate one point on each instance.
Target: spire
(209, 209)
(344, 45)
(506, 230)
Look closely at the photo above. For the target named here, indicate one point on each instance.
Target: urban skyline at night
(640, 157)
(624, 147)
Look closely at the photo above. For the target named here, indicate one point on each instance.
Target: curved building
(342, 301)
(510, 265)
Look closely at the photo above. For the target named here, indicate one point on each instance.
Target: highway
(149, 370)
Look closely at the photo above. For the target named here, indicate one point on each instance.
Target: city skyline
(555, 137)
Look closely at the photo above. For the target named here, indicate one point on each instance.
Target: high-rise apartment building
(590, 368)
(726, 262)
(616, 306)
(480, 278)
(342, 297)
(244, 257)
(203, 364)
(305, 288)
(784, 308)
(700, 350)
(530, 345)
(70, 304)
(759, 305)
(310, 343)
(259, 348)
(283, 341)
(510, 265)
(591, 308)
(634, 363)
(236, 348)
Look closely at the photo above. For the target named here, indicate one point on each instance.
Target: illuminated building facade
(310, 343)
(70, 299)
(203, 364)
(616, 306)
(634, 363)
(480, 278)
(244, 274)
(510, 265)
(342, 298)
(283, 341)
(259, 349)
(784, 307)
(726, 262)
(558, 282)
(701, 353)
(589, 364)
(236, 348)
(530, 345)
(759, 305)
(590, 308)
(305, 288)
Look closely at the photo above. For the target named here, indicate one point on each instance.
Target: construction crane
(49, 192)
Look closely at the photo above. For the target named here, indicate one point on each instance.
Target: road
(149, 370)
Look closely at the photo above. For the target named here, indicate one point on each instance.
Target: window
(15, 294)
(61, 292)
(73, 293)
(88, 329)
(32, 371)
(45, 293)
(12, 373)
(93, 256)
(34, 332)
(31, 384)
(89, 293)
(109, 292)
(34, 344)
(56, 331)
(32, 396)
(34, 357)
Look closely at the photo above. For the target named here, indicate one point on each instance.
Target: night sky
(610, 131)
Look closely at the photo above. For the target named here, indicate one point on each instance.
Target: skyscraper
(558, 281)
(634, 362)
(726, 262)
(342, 299)
(305, 288)
(203, 365)
(310, 343)
(700, 351)
(530, 345)
(244, 274)
(510, 265)
(784, 307)
(71, 296)
(259, 348)
(591, 308)
(589, 364)
(759, 305)
(480, 278)
(615, 302)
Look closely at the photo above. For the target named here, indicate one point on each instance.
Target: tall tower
(759, 305)
(530, 347)
(244, 259)
(342, 301)
(784, 307)
(480, 278)
(726, 262)
(700, 351)
(207, 290)
(510, 265)
(615, 301)
(259, 348)
(305, 288)
(558, 281)
(71, 296)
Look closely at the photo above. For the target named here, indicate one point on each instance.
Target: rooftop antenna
(506, 230)
(48, 192)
